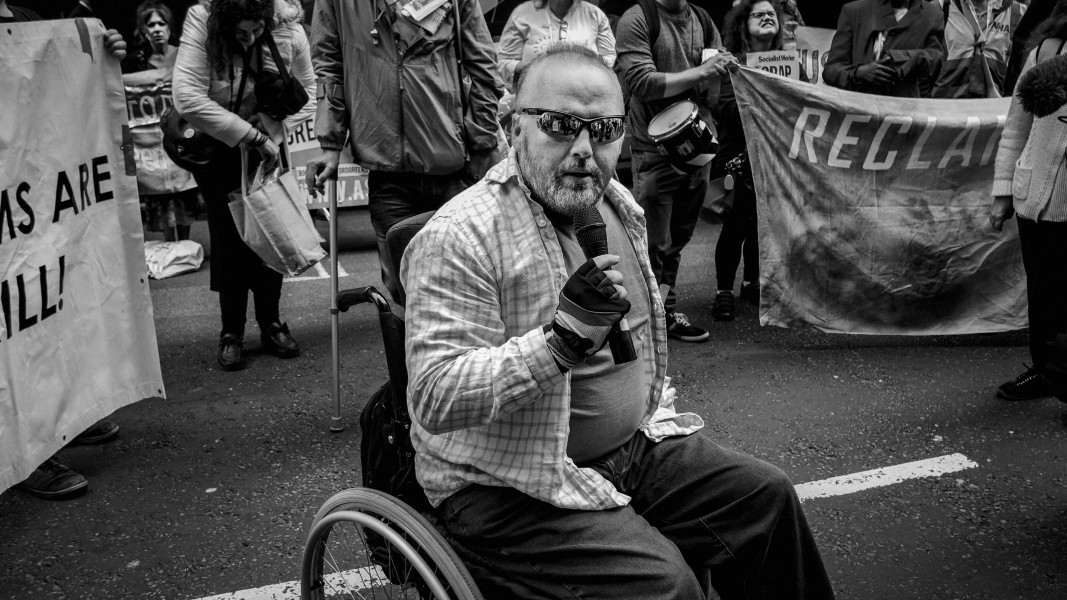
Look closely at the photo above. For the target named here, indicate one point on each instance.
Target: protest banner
(779, 62)
(351, 178)
(77, 339)
(147, 96)
(813, 45)
(874, 211)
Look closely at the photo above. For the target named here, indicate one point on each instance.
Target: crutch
(331, 194)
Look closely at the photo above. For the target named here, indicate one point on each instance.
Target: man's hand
(718, 66)
(592, 301)
(1001, 210)
(876, 74)
(114, 44)
(320, 169)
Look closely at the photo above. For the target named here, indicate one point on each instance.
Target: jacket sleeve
(1013, 139)
(512, 42)
(479, 63)
(605, 39)
(924, 63)
(303, 72)
(839, 68)
(634, 61)
(463, 371)
(192, 80)
(331, 115)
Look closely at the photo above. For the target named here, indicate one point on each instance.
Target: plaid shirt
(488, 403)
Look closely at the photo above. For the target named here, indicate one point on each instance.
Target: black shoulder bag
(186, 144)
(278, 95)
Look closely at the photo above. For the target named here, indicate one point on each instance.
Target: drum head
(672, 119)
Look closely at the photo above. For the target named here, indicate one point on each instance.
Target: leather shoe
(277, 341)
(53, 480)
(231, 352)
(102, 431)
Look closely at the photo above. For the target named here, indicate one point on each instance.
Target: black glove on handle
(586, 312)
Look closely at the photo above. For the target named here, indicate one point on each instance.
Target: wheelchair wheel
(367, 544)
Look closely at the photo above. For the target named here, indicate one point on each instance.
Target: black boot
(231, 352)
(277, 341)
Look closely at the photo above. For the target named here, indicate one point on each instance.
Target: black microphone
(592, 236)
(1043, 89)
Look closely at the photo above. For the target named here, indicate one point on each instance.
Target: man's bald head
(560, 59)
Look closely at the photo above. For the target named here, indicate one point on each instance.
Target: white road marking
(290, 590)
(835, 486)
(857, 482)
(320, 273)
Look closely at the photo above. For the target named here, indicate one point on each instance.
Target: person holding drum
(670, 57)
(751, 26)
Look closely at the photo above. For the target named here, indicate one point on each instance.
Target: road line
(290, 590)
(825, 488)
(857, 482)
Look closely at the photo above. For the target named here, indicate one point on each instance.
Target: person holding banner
(661, 70)
(751, 26)
(887, 47)
(216, 61)
(1031, 182)
(54, 480)
(978, 40)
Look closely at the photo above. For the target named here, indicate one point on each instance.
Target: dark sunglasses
(565, 126)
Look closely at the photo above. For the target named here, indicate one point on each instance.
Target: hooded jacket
(392, 89)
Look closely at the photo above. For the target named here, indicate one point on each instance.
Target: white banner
(874, 211)
(77, 340)
(351, 178)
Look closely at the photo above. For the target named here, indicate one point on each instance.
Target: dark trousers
(672, 203)
(394, 197)
(1044, 246)
(235, 268)
(696, 506)
(739, 236)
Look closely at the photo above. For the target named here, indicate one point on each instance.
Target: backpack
(385, 450)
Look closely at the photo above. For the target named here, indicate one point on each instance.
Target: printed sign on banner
(813, 45)
(874, 211)
(779, 62)
(147, 96)
(77, 339)
(351, 178)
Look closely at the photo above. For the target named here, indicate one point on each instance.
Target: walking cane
(331, 193)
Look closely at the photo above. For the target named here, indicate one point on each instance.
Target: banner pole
(336, 426)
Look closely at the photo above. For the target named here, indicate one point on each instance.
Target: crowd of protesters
(473, 120)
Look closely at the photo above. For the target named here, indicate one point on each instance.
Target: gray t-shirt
(678, 48)
(608, 401)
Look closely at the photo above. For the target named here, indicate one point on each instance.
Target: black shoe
(723, 309)
(679, 328)
(1031, 385)
(231, 352)
(53, 480)
(277, 341)
(750, 292)
(102, 431)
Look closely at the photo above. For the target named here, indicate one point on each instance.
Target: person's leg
(273, 334)
(686, 193)
(656, 202)
(518, 547)
(1030, 384)
(727, 512)
(728, 251)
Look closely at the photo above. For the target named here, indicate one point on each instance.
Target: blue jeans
(394, 197)
(672, 203)
(695, 507)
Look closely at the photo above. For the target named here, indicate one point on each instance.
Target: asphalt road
(212, 490)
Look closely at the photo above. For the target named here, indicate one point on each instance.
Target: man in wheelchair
(554, 472)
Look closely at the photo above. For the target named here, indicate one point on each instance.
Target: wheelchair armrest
(348, 298)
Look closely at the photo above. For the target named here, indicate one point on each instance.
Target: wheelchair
(363, 542)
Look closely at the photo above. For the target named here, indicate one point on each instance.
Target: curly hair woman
(220, 57)
(751, 26)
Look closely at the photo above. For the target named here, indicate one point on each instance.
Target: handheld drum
(683, 137)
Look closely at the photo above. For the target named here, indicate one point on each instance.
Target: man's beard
(552, 188)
